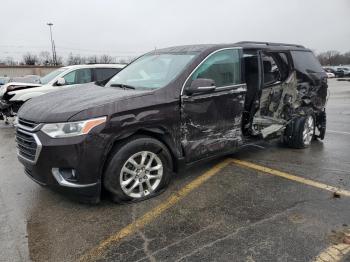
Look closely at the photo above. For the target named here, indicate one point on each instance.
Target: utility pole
(52, 45)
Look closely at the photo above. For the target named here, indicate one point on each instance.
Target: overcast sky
(131, 27)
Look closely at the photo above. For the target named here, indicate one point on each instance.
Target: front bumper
(83, 154)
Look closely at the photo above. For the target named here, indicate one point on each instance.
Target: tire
(300, 132)
(127, 179)
(321, 121)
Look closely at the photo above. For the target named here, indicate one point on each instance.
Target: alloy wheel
(141, 174)
(308, 131)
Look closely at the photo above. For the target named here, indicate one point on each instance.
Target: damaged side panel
(211, 123)
(286, 100)
(277, 104)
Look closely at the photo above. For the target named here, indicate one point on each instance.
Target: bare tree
(45, 58)
(122, 61)
(30, 59)
(59, 60)
(347, 58)
(75, 59)
(125, 60)
(70, 59)
(322, 58)
(92, 59)
(332, 58)
(10, 61)
(106, 59)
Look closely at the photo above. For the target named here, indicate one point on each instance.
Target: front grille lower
(27, 145)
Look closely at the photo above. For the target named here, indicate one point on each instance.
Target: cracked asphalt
(237, 215)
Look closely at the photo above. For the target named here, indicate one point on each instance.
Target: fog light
(68, 174)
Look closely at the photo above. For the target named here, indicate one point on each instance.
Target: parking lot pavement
(230, 213)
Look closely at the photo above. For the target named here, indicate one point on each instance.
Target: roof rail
(269, 43)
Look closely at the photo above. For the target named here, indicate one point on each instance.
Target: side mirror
(201, 85)
(60, 81)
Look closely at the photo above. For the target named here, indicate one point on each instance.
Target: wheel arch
(155, 133)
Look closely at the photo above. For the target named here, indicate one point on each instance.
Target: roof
(95, 66)
(184, 48)
(244, 45)
(270, 46)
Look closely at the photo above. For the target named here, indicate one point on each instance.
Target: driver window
(70, 78)
(223, 67)
(79, 76)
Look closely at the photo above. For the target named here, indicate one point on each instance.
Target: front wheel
(300, 132)
(138, 169)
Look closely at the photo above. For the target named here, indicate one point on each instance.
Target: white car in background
(14, 94)
(4, 80)
(330, 75)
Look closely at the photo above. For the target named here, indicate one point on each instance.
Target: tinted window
(79, 76)
(105, 73)
(223, 67)
(305, 61)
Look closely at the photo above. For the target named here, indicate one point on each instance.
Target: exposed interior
(266, 75)
(272, 98)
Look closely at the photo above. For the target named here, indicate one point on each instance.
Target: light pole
(52, 45)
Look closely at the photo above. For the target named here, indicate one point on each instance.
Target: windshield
(46, 79)
(152, 71)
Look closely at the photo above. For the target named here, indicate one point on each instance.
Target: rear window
(306, 62)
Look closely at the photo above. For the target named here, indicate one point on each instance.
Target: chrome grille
(28, 145)
(26, 124)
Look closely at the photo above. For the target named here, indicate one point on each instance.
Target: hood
(59, 106)
(14, 86)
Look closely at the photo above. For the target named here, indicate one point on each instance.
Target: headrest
(267, 66)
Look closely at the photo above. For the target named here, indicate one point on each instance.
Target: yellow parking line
(299, 179)
(97, 252)
(334, 253)
(148, 217)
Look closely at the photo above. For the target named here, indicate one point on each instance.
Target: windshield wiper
(122, 86)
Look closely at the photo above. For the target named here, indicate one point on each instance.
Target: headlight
(69, 129)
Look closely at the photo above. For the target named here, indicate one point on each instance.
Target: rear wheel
(138, 169)
(321, 122)
(300, 132)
